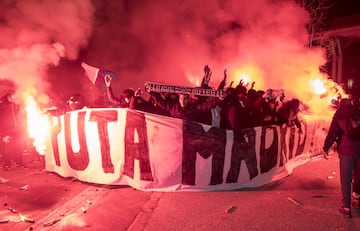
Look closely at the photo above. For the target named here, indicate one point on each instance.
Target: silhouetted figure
(124, 100)
(139, 103)
(183, 109)
(288, 113)
(11, 133)
(75, 102)
(348, 150)
(256, 111)
(238, 112)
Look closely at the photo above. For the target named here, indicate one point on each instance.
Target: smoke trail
(36, 34)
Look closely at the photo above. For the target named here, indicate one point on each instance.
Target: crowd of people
(242, 107)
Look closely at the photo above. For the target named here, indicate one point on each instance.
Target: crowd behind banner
(183, 138)
(228, 107)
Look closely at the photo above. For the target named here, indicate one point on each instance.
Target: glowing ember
(37, 125)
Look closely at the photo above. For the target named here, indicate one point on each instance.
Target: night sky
(344, 8)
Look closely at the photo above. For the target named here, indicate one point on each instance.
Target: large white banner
(116, 146)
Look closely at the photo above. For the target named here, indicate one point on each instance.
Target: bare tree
(318, 11)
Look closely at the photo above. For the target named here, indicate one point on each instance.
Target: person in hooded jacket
(348, 150)
(11, 133)
(75, 102)
(356, 174)
(288, 113)
(183, 108)
(124, 100)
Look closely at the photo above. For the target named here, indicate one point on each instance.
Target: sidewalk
(308, 199)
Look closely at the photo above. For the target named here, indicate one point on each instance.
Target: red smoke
(159, 41)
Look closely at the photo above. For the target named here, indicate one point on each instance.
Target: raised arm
(207, 76)
(223, 82)
(109, 92)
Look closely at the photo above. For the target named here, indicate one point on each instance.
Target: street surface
(308, 199)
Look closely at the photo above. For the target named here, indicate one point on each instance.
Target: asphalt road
(308, 199)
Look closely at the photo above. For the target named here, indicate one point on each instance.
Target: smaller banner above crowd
(117, 146)
(156, 87)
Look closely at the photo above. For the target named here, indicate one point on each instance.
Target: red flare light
(37, 125)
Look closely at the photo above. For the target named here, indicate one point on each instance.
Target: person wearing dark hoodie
(11, 137)
(76, 102)
(183, 109)
(348, 150)
(124, 100)
(288, 113)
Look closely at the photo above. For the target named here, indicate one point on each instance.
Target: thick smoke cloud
(36, 34)
(171, 41)
(160, 41)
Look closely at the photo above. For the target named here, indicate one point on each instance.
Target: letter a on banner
(137, 150)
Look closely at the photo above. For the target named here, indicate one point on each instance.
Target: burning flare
(37, 125)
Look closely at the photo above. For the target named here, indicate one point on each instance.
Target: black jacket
(337, 131)
(191, 112)
(9, 119)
